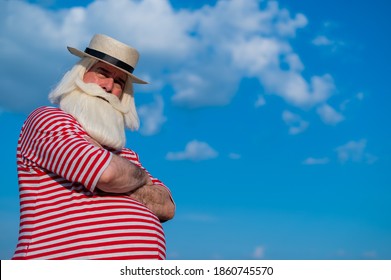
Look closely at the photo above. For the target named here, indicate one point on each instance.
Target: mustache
(96, 91)
(104, 99)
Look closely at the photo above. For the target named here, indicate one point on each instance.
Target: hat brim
(132, 77)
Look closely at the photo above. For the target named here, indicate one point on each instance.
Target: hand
(157, 199)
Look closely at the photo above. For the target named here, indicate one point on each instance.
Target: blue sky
(268, 120)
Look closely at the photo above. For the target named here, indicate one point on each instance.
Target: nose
(107, 84)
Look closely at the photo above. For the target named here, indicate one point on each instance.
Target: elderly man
(83, 195)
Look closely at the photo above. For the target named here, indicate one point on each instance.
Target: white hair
(68, 84)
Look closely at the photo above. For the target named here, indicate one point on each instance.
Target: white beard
(101, 114)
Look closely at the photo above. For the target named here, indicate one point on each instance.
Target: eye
(120, 83)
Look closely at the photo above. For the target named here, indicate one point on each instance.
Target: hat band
(110, 59)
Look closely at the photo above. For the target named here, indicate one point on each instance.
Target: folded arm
(124, 177)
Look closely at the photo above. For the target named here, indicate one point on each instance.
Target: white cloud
(294, 89)
(316, 161)
(355, 151)
(329, 115)
(358, 97)
(322, 41)
(327, 42)
(257, 54)
(152, 117)
(195, 150)
(295, 122)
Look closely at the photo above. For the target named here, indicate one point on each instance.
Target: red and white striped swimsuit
(61, 214)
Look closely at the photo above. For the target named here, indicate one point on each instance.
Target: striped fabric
(61, 214)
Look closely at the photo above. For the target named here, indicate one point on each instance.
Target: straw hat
(113, 52)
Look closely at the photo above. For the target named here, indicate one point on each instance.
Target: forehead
(109, 69)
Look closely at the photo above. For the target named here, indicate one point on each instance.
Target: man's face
(111, 79)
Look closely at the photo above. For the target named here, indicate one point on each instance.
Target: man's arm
(122, 176)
